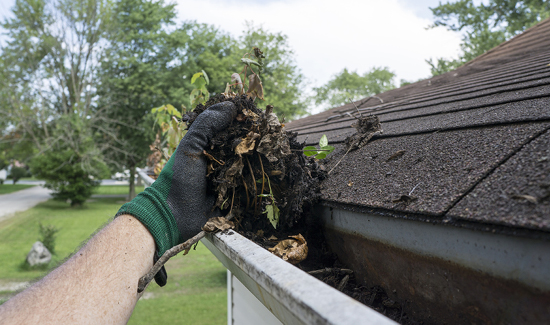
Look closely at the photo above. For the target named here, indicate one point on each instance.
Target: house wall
(243, 308)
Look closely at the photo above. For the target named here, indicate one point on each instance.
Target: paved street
(22, 200)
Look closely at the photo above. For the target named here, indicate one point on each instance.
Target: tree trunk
(132, 181)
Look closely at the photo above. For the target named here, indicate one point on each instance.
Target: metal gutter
(147, 181)
(444, 273)
(293, 296)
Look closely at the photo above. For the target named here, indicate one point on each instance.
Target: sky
(330, 35)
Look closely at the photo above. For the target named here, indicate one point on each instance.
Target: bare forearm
(98, 285)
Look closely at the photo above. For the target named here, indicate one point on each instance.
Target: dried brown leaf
(292, 250)
(529, 198)
(255, 87)
(247, 144)
(396, 155)
(218, 224)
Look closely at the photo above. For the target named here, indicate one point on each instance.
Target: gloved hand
(176, 206)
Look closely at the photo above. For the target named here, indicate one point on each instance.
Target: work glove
(176, 206)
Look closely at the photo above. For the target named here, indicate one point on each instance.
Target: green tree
(345, 85)
(485, 25)
(48, 83)
(135, 77)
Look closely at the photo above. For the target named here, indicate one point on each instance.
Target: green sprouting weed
(321, 153)
(200, 94)
(271, 210)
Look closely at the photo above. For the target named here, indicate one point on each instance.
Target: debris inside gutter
(260, 176)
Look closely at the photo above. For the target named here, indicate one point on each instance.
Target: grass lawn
(8, 187)
(196, 289)
(116, 189)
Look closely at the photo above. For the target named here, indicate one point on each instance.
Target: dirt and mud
(255, 164)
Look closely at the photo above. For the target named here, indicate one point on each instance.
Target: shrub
(48, 235)
(17, 173)
(70, 176)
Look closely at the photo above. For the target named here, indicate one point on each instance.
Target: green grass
(8, 187)
(196, 290)
(116, 189)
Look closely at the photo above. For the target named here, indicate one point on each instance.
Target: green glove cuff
(151, 209)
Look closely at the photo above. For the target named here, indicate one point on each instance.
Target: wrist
(151, 210)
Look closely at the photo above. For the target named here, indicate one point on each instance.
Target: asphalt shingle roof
(474, 140)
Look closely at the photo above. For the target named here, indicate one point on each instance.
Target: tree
(48, 82)
(345, 85)
(135, 77)
(485, 25)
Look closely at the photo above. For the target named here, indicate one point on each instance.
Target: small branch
(186, 246)
(343, 283)
(414, 188)
(163, 153)
(146, 279)
(209, 156)
(361, 115)
(344, 156)
(330, 270)
(255, 188)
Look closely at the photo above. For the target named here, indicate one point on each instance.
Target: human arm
(97, 285)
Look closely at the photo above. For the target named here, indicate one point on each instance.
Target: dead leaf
(272, 238)
(218, 224)
(236, 79)
(247, 144)
(251, 115)
(255, 87)
(291, 250)
(274, 147)
(396, 155)
(260, 233)
(529, 198)
(235, 169)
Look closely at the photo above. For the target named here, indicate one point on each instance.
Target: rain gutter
(292, 295)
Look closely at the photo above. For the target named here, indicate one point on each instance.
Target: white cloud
(328, 36)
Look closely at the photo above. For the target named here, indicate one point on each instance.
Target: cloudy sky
(330, 35)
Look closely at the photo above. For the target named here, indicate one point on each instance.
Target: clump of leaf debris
(258, 170)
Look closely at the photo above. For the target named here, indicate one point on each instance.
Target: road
(22, 200)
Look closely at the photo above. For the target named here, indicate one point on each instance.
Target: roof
(476, 142)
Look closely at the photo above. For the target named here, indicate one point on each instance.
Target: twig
(343, 283)
(255, 188)
(163, 153)
(246, 190)
(209, 156)
(361, 115)
(146, 279)
(330, 270)
(414, 188)
(263, 176)
(330, 171)
(186, 246)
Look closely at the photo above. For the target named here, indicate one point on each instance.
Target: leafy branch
(321, 153)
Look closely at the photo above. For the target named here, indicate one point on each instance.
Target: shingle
(467, 137)
(444, 164)
(497, 199)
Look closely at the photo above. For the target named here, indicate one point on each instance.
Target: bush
(17, 173)
(48, 235)
(70, 176)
